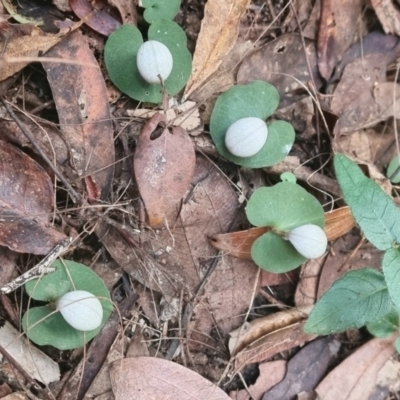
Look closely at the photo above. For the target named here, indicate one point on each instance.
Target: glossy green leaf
(274, 254)
(120, 58)
(257, 99)
(384, 326)
(284, 206)
(391, 271)
(358, 297)
(53, 330)
(372, 208)
(393, 170)
(160, 9)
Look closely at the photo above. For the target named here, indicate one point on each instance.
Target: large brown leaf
(217, 37)
(26, 196)
(164, 168)
(145, 378)
(80, 95)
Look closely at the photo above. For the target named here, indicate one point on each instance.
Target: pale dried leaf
(218, 34)
(145, 378)
(35, 363)
(355, 378)
(388, 15)
(25, 46)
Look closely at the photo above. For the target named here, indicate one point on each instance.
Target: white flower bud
(153, 59)
(309, 240)
(81, 309)
(246, 137)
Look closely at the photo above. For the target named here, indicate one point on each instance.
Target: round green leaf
(385, 326)
(172, 35)
(54, 330)
(160, 9)
(120, 57)
(284, 206)
(392, 168)
(257, 99)
(274, 254)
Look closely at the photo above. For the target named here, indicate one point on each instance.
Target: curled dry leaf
(145, 378)
(164, 167)
(26, 196)
(260, 327)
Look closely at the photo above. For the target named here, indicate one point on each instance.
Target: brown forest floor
(179, 298)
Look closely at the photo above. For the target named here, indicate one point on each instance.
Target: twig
(44, 267)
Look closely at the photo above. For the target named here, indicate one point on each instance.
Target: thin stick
(44, 267)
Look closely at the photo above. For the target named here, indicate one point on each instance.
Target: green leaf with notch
(44, 326)
(120, 57)
(358, 297)
(284, 206)
(372, 208)
(257, 99)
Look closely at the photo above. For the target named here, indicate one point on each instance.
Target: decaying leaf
(81, 100)
(218, 34)
(251, 332)
(338, 222)
(271, 344)
(338, 30)
(355, 378)
(305, 370)
(26, 198)
(283, 63)
(164, 164)
(388, 14)
(99, 21)
(31, 45)
(33, 361)
(145, 378)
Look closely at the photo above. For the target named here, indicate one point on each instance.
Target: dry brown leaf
(283, 63)
(25, 46)
(252, 331)
(338, 222)
(306, 369)
(271, 373)
(218, 34)
(81, 100)
(388, 15)
(164, 167)
(271, 344)
(355, 378)
(26, 199)
(145, 378)
(307, 288)
(338, 30)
